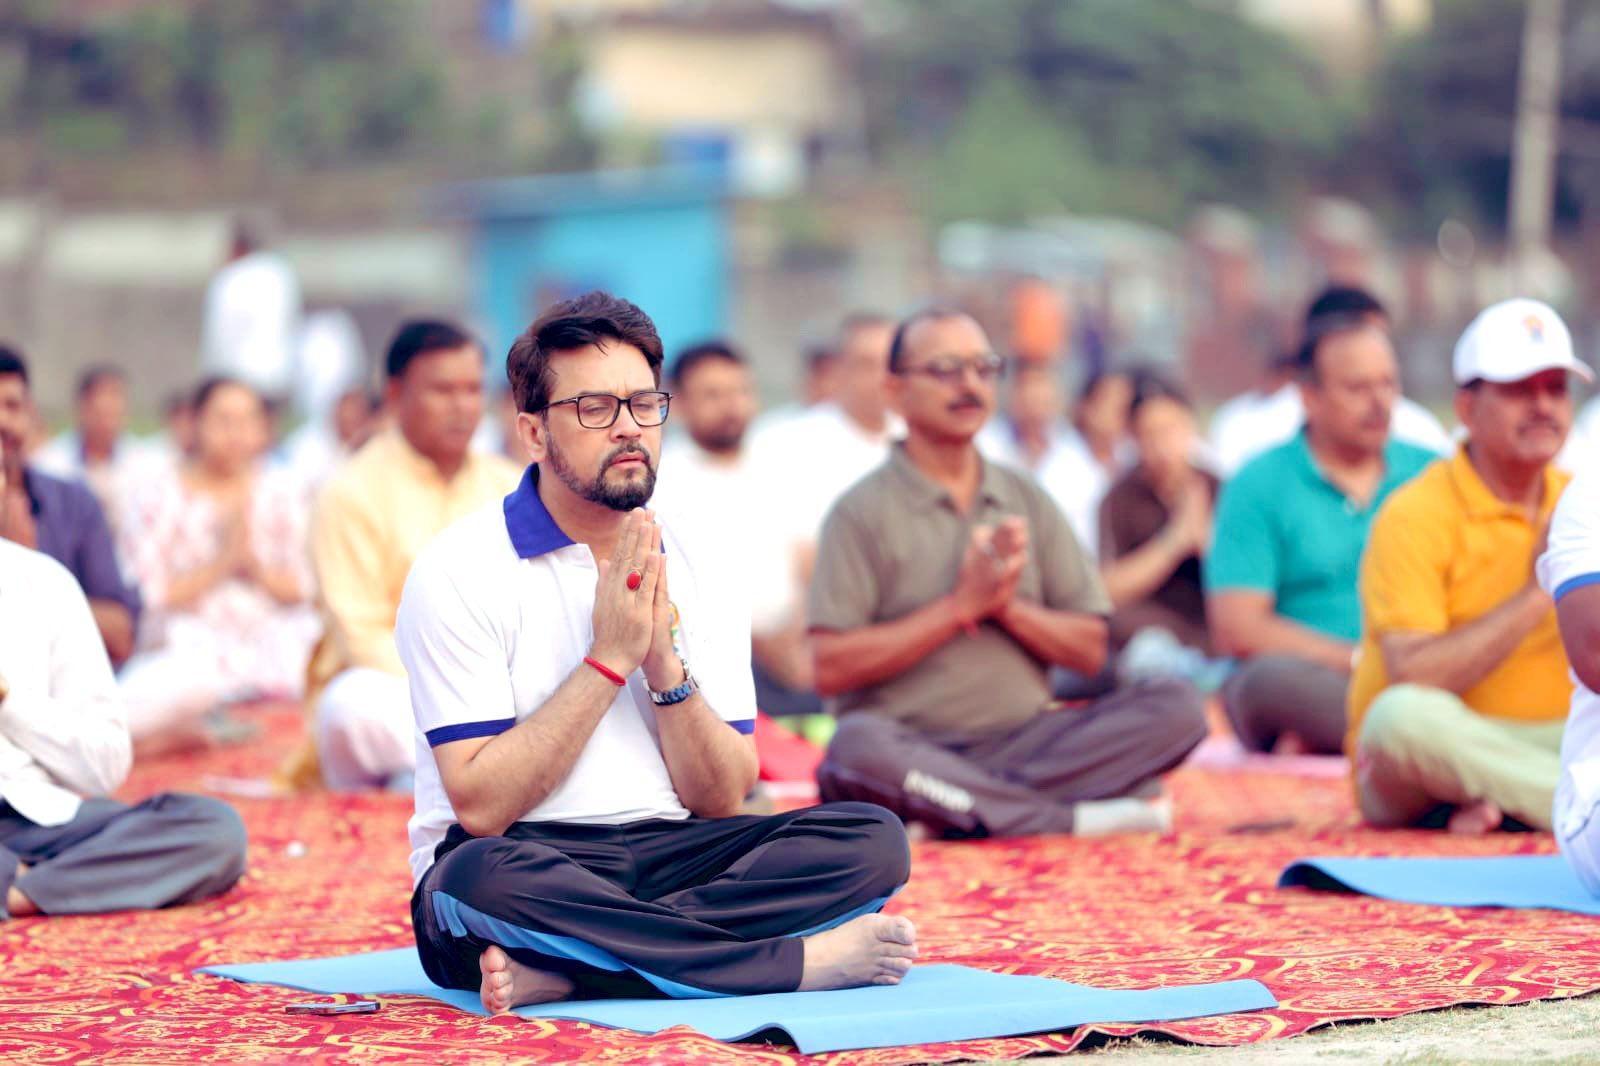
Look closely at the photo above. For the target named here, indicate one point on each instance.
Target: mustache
(630, 449)
(969, 399)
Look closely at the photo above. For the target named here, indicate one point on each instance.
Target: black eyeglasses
(951, 369)
(599, 410)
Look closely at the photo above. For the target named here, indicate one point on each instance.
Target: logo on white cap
(1513, 340)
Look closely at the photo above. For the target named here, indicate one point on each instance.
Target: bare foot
(1475, 819)
(874, 949)
(17, 904)
(508, 983)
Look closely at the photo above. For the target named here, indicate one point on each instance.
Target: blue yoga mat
(933, 1005)
(1517, 881)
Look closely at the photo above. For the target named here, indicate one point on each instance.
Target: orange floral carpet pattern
(328, 876)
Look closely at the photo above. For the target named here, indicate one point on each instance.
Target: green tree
(1142, 107)
(271, 81)
(1437, 138)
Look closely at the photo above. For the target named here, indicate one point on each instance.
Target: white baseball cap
(1513, 340)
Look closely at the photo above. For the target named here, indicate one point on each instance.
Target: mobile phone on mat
(360, 1006)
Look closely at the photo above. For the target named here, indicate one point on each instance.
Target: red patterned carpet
(328, 876)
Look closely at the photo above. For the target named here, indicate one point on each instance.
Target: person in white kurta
(65, 846)
(251, 329)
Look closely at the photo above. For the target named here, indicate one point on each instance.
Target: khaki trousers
(1421, 749)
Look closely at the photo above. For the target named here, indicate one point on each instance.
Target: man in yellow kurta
(1461, 687)
(375, 514)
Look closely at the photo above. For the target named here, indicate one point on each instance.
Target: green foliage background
(988, 109)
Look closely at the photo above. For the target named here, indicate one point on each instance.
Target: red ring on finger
(635, 579)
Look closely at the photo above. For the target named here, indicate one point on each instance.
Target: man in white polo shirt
(578, 782)
(1569, 571)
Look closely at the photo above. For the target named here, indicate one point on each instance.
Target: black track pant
(702, 907)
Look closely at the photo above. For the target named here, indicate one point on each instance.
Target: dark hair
(1322, 328)
(897, 346)
(94, 375)
(420, 336)
(704, 352)
(245, 234)
(1344, 300)
(854, 321)
(178, 400)
(11, 362)
(1097, 378)
(569, 325)
(819, 355)
(1149, 385)
(372, 400)
(208, 388)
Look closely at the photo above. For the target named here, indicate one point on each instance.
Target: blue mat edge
(1259, 998)
(1335, 873)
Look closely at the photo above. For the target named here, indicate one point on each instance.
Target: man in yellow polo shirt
(1461, 687)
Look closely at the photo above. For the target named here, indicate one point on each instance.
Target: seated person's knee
(226, 830)
(215, 830)
(883, 840)
(1402, 716)
(476, 871)
(859, 739)
(1179, 705)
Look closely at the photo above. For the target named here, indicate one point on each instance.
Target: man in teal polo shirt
(1290, 529)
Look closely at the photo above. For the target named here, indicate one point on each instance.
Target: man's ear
(533, 431)
(1465, 407)
(894, 393)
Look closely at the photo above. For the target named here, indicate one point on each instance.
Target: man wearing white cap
(1460, 692)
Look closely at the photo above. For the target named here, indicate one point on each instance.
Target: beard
(724, 438)
(622, 495)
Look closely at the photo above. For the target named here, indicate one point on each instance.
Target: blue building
(657, 237)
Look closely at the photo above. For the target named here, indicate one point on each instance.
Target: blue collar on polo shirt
(533, 532)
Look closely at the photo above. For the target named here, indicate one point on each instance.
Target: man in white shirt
(98, 450)
(807, 462)
(1249, 425)
(1569, 570)
(1035, 436)
(818, 454)
(708, 473)
(577, 782)
(252, 317)
(65, 847)
(705, 491)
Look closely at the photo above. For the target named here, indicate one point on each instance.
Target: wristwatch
(675, 695)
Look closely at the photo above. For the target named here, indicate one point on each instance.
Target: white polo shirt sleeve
(1572, 559)
(455, 653)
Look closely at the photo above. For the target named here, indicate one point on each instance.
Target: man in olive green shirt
(945, 587)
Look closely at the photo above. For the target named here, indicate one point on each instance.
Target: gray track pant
(1017, 783)
(172, 848)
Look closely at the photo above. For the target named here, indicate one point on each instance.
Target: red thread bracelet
(609, 674)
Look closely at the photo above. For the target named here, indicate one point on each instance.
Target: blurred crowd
(229, 558)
